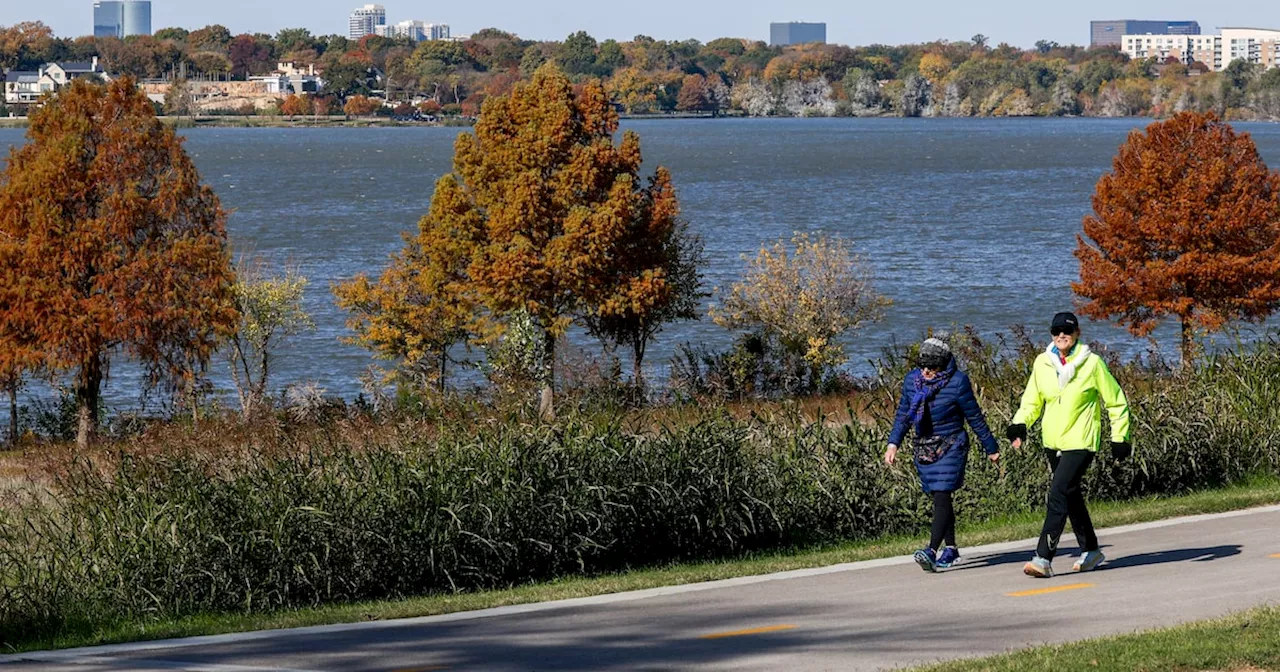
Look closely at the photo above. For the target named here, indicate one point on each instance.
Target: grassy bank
(1247, 642)
(1257, 492)
(278, 517)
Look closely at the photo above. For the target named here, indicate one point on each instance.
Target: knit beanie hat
(934, 354)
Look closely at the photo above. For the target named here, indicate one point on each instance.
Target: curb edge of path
(66, 655)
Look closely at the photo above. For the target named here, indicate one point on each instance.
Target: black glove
(1121, 449)
(1015, 432)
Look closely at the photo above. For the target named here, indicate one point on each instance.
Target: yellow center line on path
(1276, 555)
(1054, 589)
(751, 631)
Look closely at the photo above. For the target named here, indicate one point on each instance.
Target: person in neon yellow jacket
(1069, 386)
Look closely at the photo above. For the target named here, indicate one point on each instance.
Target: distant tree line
(645, 75)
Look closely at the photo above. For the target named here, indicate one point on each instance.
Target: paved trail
(861, 616)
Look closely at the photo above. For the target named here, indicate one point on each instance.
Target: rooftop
(21, 76)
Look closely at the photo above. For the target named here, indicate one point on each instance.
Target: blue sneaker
(926, 559)
(1088, 561)
(949, 556)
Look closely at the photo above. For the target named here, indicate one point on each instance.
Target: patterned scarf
(926, 390)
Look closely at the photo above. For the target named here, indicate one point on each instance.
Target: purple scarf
(925, 391)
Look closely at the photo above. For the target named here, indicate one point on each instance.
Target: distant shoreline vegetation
(210, 70)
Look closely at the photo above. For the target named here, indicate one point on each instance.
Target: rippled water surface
(964, 221)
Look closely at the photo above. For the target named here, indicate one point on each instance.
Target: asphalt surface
(861, 616)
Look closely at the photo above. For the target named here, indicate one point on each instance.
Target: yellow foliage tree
(935, 67)
(422, 304)
(635, 90)
(806, 297)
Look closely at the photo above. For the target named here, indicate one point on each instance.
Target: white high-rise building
(1256, 45)
(414, 30)
(367, 20)
(417, 31)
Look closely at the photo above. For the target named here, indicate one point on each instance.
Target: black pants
(1066, 501)
(944, 521)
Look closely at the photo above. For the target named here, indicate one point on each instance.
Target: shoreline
(219, 121)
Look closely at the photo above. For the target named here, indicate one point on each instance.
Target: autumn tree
(295, 106)
(422, 305)
(19, 358)
(249, 56)
(359, 106)
(807, 297)
(320, 105)
(934, 67)
(178, 99)
(109, 243)
(658, 247)
(20, 42)
(1186, 225)
(634, 89)
(271, 311)
(544, 207)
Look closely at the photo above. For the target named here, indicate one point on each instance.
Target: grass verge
(1256, 492)
(1243, 642)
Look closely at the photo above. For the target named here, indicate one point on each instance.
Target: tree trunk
(444, 360)
(637, 364)
(1187, 345)
(88, 391)
(546, 399)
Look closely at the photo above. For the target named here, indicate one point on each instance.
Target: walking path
(858, 616)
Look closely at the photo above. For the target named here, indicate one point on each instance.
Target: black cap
(1065, 322)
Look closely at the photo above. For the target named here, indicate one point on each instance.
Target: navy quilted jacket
(948, 411)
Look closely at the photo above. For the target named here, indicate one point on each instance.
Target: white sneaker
(1038, 568)
(1088, 561)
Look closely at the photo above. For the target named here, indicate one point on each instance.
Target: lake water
(964, 221)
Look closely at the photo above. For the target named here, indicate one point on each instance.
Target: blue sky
(856, 23)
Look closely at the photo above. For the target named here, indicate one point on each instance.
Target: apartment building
(417, 31)
(1256, 45)
(366, 21)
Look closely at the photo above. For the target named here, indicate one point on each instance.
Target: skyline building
(418, 31)
(121, 18)
(366, 21)
(1111, 33)
(795, 32)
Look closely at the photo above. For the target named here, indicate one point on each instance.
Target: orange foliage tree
(18, 359)
(540, 216)
(1186, 225)
(296, 106)
(109, 243)
(360, 106)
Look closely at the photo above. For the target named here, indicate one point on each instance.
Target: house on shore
(24, 87)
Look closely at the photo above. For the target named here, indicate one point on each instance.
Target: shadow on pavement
(616, 636)
(1012, 558)
(1174, 555)
(1138, 560)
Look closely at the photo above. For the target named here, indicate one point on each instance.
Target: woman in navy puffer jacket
(937, 400)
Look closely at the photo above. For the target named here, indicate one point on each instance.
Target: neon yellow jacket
(1073, 414)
